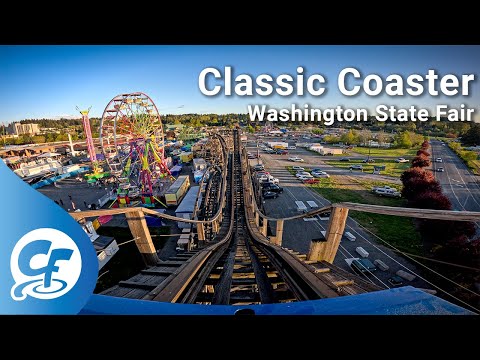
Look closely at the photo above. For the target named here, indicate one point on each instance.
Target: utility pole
(258, 154)
(369, 149)
(3, 137)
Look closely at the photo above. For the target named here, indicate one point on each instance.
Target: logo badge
(45, 264)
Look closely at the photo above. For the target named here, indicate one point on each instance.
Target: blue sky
(50, 81)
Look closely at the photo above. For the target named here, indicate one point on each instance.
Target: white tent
(48, 154)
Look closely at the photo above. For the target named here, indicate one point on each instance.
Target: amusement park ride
(131, 136)
(98, 172)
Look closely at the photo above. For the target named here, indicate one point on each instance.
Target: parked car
(344, 159)
(324, 216)
(440, 169)
(395, 280)
(311, 181)
(259, 167)
(296, 159)
(368, 160)
(298, 168)
(291, 147)
(320, 174)
(268, 186)
(348, 235)
(270, 195)
(438, 160)
(356, 167)
(282, 152)
(401, 160)
(387, 192)
(363, 266)
(305, 177)
(270, 179)
(302, 173)
(385, 187)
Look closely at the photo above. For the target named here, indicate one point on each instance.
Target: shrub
(420, 161)
(431, 200)
(423, 152)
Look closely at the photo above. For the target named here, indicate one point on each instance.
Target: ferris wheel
(131, 136)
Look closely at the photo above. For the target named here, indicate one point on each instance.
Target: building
(21, 129)
(330, 151)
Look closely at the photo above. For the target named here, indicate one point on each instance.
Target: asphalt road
(298, 233)
(458, 183)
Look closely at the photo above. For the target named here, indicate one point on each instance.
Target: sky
(50, 81)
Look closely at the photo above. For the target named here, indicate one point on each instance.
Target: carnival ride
(98, 172)
(131, 136)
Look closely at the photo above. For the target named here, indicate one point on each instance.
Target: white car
(304, 177)
(302, 173)
(401, 160)
(296, 159)
(320, 174)
(291, 147)
(298, 168)
(438, 160)
(385, 187)
(387, 192)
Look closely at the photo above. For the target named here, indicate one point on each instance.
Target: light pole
(3, 137)
(369, 149)
(258, 154)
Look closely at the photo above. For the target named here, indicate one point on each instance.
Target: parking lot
(298, 233)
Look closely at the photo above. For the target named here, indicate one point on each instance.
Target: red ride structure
(88, 134)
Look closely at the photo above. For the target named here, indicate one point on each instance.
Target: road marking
(455, 160)
(269, 161)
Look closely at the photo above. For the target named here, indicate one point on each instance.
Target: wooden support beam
(315, 249)
(279, 233)
(257, 219)
(413, 212)
(215, 227)
(201, 232)
(264, 227)
(336, 225)
(143, 240)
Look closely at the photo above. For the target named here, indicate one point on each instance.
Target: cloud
(64, 116)
(476, 117)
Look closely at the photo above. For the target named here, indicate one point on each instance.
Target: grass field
(379, 152)
(399, 231)
(392, 168)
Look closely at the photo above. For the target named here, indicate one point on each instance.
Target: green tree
(317, 131)
(38, 139)
(469, 155)
(331, 139)
(403, 140)
(350, 138)
(472, 136)
(250, 129)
